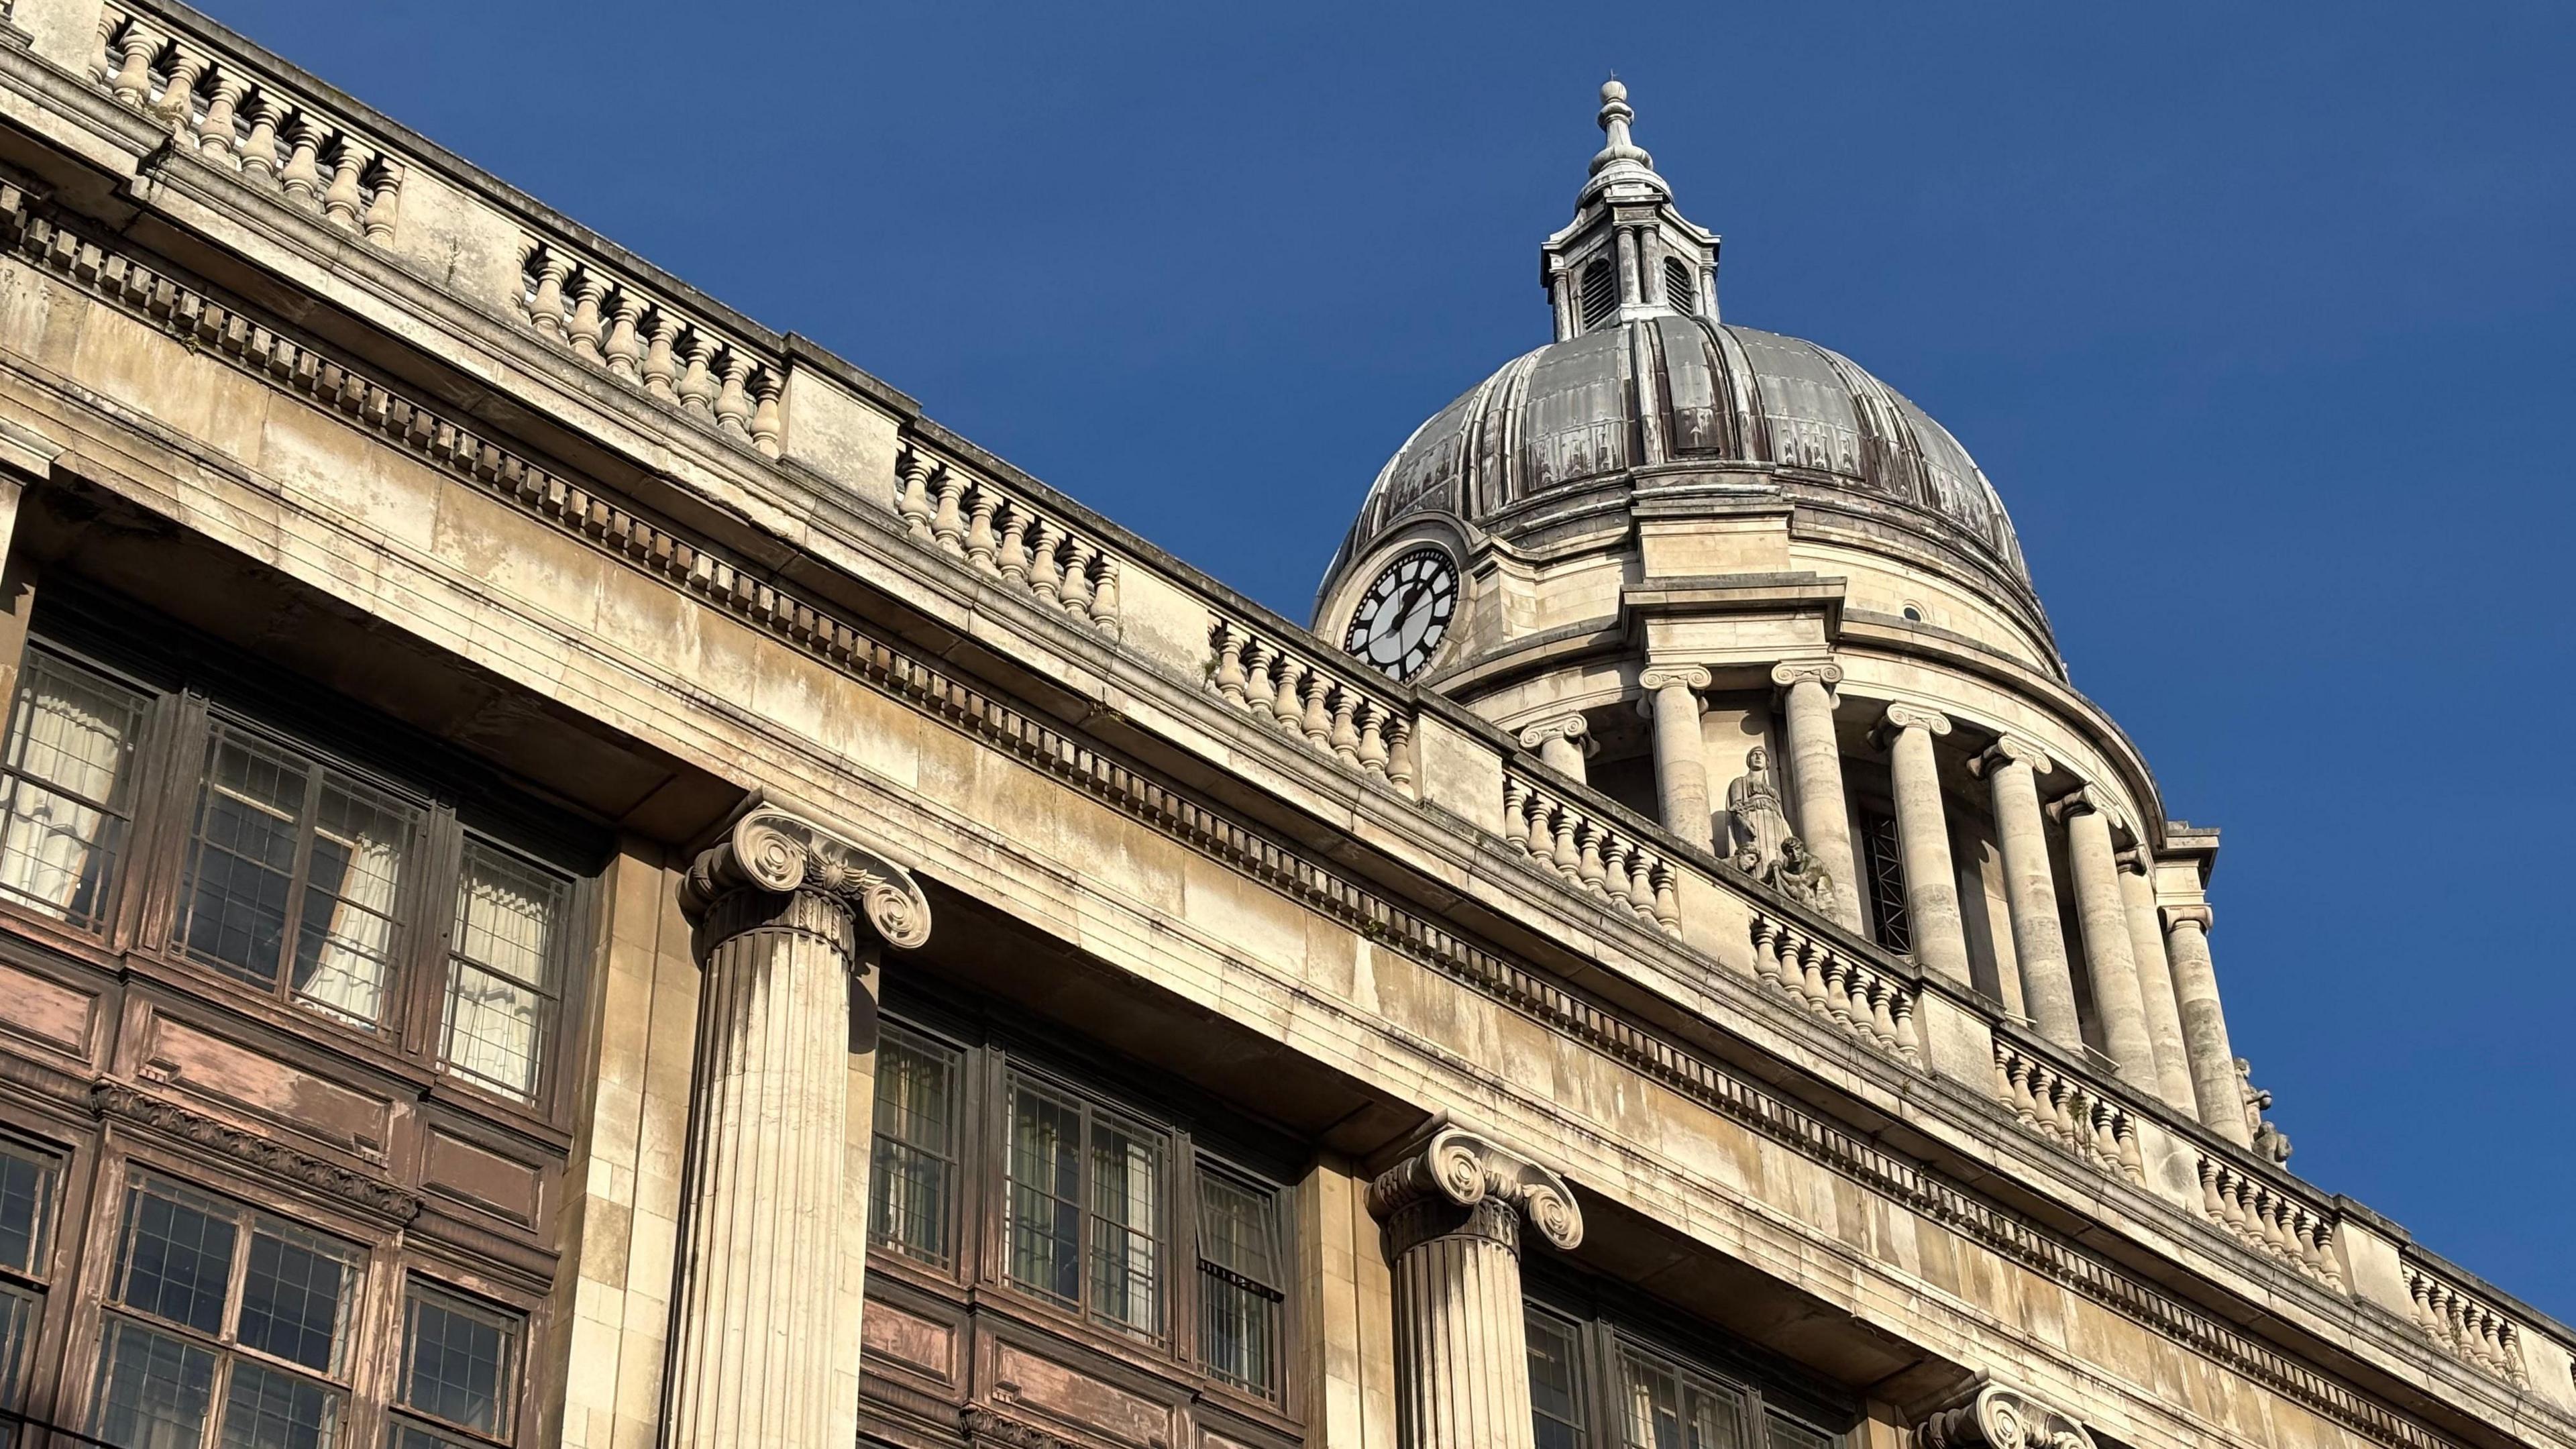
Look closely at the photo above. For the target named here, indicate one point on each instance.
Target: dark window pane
(63, 796)
(241, 866)
(178, 1257)
(1045, 1178)
(1127, 1218)
(153, 1390)
(344, 947)
(1239, 1292)
(413, 1436)
(1556, 1387)
(26, 1209)
(18, 1312)
(501, 973)
(294, 1296)
(908, 1187)
(266, 1409)
(458, 1361)
(1787, 1433)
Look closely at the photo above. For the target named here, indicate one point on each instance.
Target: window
(1681, 286)
(1886, 870)
(911, 1179)
(1084, 1217)
(1241, 1286)
(27, 1180)
(1598, 292)
(460, 1371)
(1652, 1399)
(501, 986)
(294, 876)
(222, 1319)
(63, 790)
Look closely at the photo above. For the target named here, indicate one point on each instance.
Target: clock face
(1405, 614)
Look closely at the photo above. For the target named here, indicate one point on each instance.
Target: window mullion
(164, 792)
(308, 829)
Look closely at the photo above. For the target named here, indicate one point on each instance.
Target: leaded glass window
(294, 876)
(460, 1370)
(1084, 1211)
(501, 969)
(1667, 1407)
(1594, 1382)
(912, 1178)
(65, 787)
(222, 1321)
(1556, 1381)
(27, 1182)
(1241, 1285)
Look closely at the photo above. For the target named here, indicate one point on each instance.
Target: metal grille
(1887, 882)
(1599, 292)
(1240, 1285)
(1681, 289)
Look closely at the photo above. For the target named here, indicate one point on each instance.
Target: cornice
(212, 324)
(343, 1185)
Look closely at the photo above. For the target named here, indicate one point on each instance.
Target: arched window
(1681, 286)
(1598, 292)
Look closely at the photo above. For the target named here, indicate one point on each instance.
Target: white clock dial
(1400, 622)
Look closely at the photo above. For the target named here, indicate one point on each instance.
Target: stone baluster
(1046, 546)
(584, 330)
(545, 298)
(1372, 742)
(1015, 545)
(177, 105)
(1454, 1212)
(733, 402)
(135, 47)
(1816, 779)
(913, 501)
(2012, 771)
(1314, 719)
(384, 202)
(216, 136)
(948, 522)
(1681, 763)
(697, 387)
(621, 350)
(2094, 863)
(1399, 760)
(340, 201)
(659, 370)
(765, 388)
(1343, 739)
(1564, 743)
(1079, 554)
(1104, 598)
(1923, 840)
(2214, 1081)
(301, 176)
(2155, 979)
(983, 546)
(788, 921)
(259, 144)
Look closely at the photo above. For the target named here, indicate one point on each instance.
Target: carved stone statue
(2270, 1142)
(1756, 825)
(1800, 876)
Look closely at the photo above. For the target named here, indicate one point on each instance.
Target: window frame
(397, 1410)
(34, 1283)
(1603, 1341)
(1204, 1168)
(102, 917)
(957, 1164)
(1095, 1109)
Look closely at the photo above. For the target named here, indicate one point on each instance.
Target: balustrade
(1263, 676)
(2466, 1325)
(1605, 859)
(623, 330)
(2269, 1219)
(2065, 1109)
(249, 124)
(1006, 537)
(1866, 1002)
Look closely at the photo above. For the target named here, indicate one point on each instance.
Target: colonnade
(2149, 966)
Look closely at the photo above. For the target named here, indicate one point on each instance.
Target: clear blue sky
(2262, 318)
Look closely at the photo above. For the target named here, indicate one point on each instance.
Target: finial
(1616, 113)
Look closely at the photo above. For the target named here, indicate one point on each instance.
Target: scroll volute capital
(2199, 917)
(1997, 1417)
(2007, 751)
(1572, 728)
(1692, 677)
(1466, 1169)
(777, 853)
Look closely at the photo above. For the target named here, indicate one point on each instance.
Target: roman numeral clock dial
(1405, 614)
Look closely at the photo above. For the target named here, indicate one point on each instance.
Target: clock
(1405, 614)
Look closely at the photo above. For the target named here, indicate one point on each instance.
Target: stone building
(573, 870)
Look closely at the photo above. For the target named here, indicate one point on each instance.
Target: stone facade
(575, 871)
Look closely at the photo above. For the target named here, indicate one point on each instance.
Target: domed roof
(1713, 397)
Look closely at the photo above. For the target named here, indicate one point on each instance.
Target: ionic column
(2155, 980)
(1453, 1214)
(1816, 769)
(2012, 770)
(2204, 1026)
(2105, 917)
(777, 909)
(1923, 841)
(1992, 1416)
(1564, 744)
(1681, 764)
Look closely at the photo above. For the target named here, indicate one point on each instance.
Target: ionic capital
(1666, 676)
(1820, 671)
(770, 853)
(2006, 751)
(1418, 1197)
(1995, 1417)
(1902, 717)
(2084, 800)
(2137, 861)
(1572, 728)
(2200, 918)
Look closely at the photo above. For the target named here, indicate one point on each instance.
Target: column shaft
(751, 1356)
(2155, 983)
(2107, 957)
(1816, 765)
(2030, 890)
(1681, 763)
(1923, 843)
(1461, 1357)
(2204, 1027)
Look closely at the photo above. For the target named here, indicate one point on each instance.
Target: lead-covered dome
(1675, 394)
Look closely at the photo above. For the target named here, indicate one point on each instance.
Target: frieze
(115, 1099)
(205, 322)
